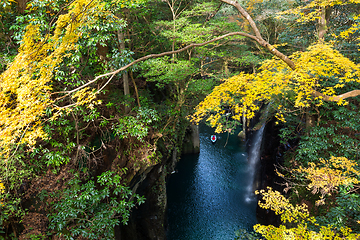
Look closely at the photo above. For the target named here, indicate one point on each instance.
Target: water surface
(207, 197)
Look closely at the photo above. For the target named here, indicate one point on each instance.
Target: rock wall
(191, 143)
(270, 157)
(267, 176)
(148, 221)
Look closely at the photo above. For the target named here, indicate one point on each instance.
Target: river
(208, 195)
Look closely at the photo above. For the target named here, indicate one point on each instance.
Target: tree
(296, 85)
(285, 79)
(333, 175)
(279, 84)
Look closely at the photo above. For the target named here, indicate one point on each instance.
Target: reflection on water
(206, 197)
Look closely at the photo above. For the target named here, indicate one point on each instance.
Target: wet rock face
(191, 142)
(34, 224)
(271, 156)
(147, 220)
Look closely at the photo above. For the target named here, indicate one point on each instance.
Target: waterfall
(254, 157)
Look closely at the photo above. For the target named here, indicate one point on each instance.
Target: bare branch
(211, 15)
(158, 55)
(258, 38)
(327, 98)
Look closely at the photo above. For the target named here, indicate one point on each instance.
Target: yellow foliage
(335, 172)
(277, 82)
(251, 5)
(2, 190)
(295, 221)
(224, 95)
(85, 96)
(275, 201)
(312, 11)
(26, 84)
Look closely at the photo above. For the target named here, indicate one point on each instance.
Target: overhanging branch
(327, 98)
(258, 38)
(111, 74)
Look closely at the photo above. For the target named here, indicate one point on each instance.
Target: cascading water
(253, 159)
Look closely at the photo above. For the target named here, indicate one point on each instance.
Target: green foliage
(138, 126)
(163, 71)
(60, 142)
(67, 132)
(120, 59)
(36, 237)
(13, 173)
(10, 210)
(5, 60)
(83, 209)
(191, 25)
(198, 88)
(317, 144)
(243, 234)
(343, 212)
(335, 135)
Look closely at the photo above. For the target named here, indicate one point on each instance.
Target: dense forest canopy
(79, 77)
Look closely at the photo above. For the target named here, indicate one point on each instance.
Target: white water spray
(254, 158)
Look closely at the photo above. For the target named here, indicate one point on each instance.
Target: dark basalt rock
(191, 142)
(272, 155)
(147, 220)
(267, 176)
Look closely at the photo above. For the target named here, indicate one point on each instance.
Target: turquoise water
(207, 195)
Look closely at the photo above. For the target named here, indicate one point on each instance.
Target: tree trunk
(125, 73)
(323, 21)
(308, 120)
(22, 5)
(226, 67)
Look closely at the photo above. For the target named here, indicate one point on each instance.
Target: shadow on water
(207, 195)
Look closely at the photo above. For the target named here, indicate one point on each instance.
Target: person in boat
(213, 138)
